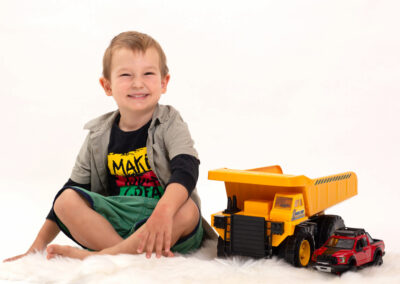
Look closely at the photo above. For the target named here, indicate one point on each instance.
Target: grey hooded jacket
(168, 136)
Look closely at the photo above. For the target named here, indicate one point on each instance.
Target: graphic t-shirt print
(133, 174)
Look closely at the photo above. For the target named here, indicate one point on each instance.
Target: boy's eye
(125, 74)
(149, 73)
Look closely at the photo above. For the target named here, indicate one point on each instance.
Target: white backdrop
(310, 85)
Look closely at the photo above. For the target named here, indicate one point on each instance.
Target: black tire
(221, 248)
(326, 226)
(378, 260)
(281, 249)
(295, 252)
(353, 266)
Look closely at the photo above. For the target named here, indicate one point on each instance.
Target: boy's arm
(185, 171)
(159, 225)
(49, 229)
(178, 143)
(46, 234)
(81, 173)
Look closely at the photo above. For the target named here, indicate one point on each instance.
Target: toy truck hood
(336, 252)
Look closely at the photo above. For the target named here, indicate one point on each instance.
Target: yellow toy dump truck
(270, 212)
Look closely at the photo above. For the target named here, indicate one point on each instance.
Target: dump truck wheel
(326, 226)
(299, 248)
(281, 249)
(221, 248)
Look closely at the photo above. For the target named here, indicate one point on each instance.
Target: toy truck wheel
(378, 260)
(299, 248)
(353, 265)
(326, 226)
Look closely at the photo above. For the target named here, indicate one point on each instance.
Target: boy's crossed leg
(95, 232)
(86, 226)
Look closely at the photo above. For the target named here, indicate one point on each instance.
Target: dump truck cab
(288, 208)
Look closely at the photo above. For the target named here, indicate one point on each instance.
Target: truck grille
(327, 258)
(248, 236)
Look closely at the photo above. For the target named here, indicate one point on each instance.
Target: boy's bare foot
(72, 252)
(67, 251)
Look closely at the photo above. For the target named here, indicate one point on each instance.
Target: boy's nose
(137, 83)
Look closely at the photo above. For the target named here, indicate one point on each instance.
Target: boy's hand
(157, 233)
(46, 234)
(31, 250)
(16, 257)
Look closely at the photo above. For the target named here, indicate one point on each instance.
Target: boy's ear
(164, 83)
(106, 86)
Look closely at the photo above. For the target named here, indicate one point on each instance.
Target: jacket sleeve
(177, 138)
(185, 171)
(81, 170)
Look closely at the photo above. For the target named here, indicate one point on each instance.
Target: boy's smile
(135, 81)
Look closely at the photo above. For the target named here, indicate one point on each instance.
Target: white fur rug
(200, 267)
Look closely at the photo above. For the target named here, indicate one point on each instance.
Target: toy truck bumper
(248, 235)
(329, 268)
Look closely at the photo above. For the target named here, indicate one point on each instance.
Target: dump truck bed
(263, 183)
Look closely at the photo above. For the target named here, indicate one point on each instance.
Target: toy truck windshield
(283, 202)
(340, 243)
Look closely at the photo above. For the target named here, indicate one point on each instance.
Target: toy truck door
(363, 251)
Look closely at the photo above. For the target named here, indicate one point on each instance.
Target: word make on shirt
(133, 174)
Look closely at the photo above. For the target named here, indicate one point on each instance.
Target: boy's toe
(54, 250)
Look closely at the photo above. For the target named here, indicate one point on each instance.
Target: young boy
(132, 189)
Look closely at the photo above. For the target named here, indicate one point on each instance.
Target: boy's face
(136, 82)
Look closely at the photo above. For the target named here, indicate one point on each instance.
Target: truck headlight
(341, 260)
(314, 257)
(220, 221)
(277, 228)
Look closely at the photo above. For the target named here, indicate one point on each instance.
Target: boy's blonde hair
(136, 42)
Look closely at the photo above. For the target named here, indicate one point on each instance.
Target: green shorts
(127, 213)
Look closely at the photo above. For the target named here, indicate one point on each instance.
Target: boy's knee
(189, 213)
(67, 200)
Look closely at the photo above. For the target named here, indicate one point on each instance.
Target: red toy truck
(348, 249)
